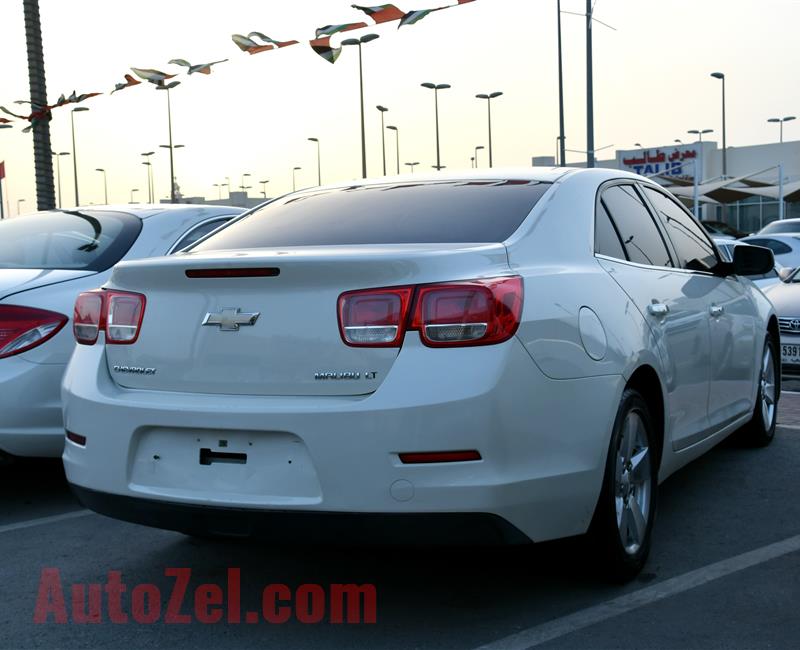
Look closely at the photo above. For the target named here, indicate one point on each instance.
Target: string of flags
(252, 43)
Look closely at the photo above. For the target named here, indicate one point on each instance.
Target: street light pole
(150, 193)
(294, 178)
(264, 187)
(19, 202)
(58, 172)
(133, 191)
(411, 165)
(360, 41)
(396, 145)
(79, 109)
(171, 156)
(562, 146)
(436, 88)
(172, 147)
(781, 120)
(319, 163)
(721, 76)
(590, 159)
(242, 186)
(383, 109)
(477, 149)
(105, 184)
(489, 98)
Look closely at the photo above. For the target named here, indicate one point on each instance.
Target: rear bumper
(543, 445)
(30, 408)
(405, 529)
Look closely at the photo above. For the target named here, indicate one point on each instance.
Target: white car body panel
(30, 402)
(539, 406)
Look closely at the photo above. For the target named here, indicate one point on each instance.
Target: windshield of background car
(475, 211)
(84, 240)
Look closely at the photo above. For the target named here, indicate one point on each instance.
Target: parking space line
(44, 520)
(584, 618)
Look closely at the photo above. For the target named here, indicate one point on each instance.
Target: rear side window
(692, 245)
(198, 232)
(777, 247)
(640, 236)
(395, 213)
(86, 240)
(606, 238)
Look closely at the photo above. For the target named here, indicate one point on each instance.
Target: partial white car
(762, 280)
(502, 356)
(785, 297)
(46, 260)
(785, 248)
(781, 227)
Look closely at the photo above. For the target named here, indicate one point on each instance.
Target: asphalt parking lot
(723, 572)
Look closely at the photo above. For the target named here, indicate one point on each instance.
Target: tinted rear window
(397, 213)
(87, 240)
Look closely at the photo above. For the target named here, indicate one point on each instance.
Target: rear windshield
(87, 240)
(780, 226)
(397, 213)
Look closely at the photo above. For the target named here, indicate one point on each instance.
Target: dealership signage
(678, 161)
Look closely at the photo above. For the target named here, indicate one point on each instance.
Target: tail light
(23, 328)
(118, 313)
(374, 318)
(470, 312)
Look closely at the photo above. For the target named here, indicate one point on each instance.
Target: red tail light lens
(375, 317)
(124, 316)
(470, 312)
(23, 328)
(476, 312)
(87, 317)
(118, 313)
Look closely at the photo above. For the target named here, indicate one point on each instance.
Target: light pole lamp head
(79, 109)
(6, 126)
(63, 153)
(382, 109)
(480, 146)
(789, 118)
(351, 41)
(369, 37)
(637, 144)
(442, 86)
(718, 75)
(297, 169)
(264, 181)
(313, 139)
(147, 163)
(392, 128)
(495, 94)
(428, 84)
(100, 169)
(148, 153)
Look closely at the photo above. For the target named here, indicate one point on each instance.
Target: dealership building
(747, 197)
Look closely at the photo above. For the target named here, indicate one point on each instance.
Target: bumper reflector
(76, 438)
(414, 458)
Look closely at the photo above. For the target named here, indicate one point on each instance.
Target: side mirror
(785, 273)
(752, 260)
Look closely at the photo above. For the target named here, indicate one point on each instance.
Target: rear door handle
(658, 309)
(716, 310)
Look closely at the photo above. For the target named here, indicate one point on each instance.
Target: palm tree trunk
(43, 160)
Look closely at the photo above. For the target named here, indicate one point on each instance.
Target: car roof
(145, 210)
(541, 174)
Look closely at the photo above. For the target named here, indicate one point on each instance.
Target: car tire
(621, 528)
(760, 431)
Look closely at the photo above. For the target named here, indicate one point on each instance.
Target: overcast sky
(254, 113)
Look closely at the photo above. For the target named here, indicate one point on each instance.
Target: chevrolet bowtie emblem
(229, 320)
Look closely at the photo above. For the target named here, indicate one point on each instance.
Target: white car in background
(502, 356)
(46, 260)
(763, 280)
(781, 227)
(785, 248)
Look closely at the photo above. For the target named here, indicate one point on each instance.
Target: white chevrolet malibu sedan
(491, 356)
